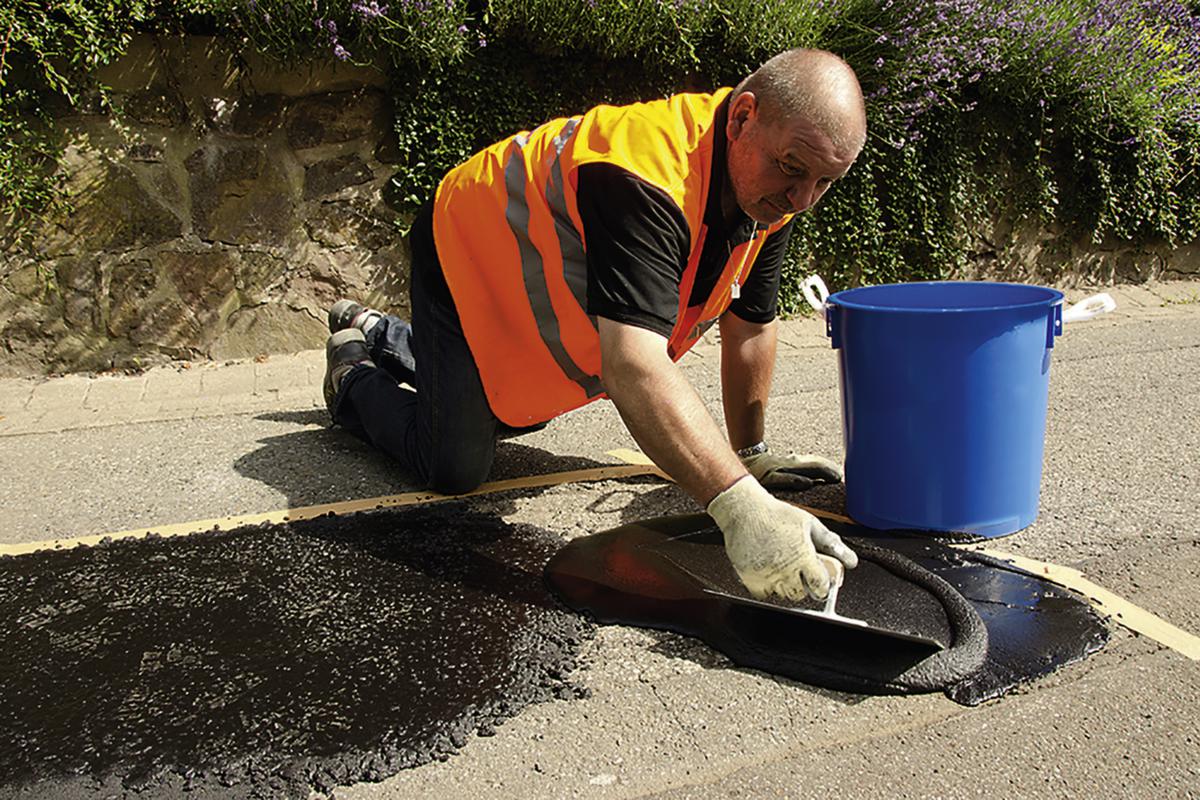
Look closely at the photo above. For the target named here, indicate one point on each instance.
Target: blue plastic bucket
(944, 388)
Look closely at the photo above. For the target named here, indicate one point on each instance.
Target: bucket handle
(815, 292)
(817, 295)
(1088, 308)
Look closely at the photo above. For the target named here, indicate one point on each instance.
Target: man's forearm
(664, 413)
(747, 366)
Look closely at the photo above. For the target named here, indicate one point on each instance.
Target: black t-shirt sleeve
(759, 301)
(637, 243)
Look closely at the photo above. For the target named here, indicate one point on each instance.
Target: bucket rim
(1053, 297)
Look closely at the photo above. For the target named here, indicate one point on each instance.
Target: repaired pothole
(277, 659)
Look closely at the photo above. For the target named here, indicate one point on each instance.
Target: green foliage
(1083, 113)
(441, 119)
(656, 32)
(49, 53)
(412, 34)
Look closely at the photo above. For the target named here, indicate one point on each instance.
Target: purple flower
(368, 10)
(341, 52)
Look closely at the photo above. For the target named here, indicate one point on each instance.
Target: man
(584, 258)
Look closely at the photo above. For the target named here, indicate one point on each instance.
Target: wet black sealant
(273, 660)
(654, 573)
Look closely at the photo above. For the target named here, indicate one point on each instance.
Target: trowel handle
(835, 568)
(837, 574)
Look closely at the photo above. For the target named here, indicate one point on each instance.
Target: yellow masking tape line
(1133, 617)
(631, 456)
(343, 507)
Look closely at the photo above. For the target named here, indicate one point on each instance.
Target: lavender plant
(1085, 113)
(411, 34)
(660, 31)
(1080, 112)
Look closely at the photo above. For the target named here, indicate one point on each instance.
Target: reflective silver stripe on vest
(533, 270)
(569, 241)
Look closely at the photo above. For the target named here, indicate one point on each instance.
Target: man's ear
(741, 110)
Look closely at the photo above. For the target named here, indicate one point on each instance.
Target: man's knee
(455, 483)
(460, 478)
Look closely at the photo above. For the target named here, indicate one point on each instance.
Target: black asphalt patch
(273, 660)
(989, 626)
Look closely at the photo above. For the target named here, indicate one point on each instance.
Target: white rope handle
(815, 292)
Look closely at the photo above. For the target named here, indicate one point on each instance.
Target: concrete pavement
(668, 717)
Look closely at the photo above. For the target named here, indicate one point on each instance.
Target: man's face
(778, 168)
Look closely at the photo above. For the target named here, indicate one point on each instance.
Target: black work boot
(348, 314)
(345, 350)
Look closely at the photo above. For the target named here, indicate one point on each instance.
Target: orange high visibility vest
(508, 234)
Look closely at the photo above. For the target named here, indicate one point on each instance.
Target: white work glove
(773, 545)
(791, 471)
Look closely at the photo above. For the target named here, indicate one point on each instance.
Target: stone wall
(1027, 252)
(231, 201)
(217, 216)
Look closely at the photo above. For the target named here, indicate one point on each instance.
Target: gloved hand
(773, 545)
(792, 471)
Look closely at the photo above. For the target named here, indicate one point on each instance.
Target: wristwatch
(752, 450)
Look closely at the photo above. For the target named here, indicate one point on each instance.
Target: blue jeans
(444, 432)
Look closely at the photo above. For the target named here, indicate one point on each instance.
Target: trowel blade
(843, 622)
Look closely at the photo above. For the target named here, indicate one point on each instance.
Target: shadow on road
(320, 464)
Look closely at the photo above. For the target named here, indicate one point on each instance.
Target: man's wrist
(752, 450)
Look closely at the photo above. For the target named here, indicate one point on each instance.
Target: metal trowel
(828, 613)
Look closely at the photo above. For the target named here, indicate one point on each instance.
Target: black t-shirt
(637, 248)
(638, 241)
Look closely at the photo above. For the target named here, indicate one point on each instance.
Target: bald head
(814, 85)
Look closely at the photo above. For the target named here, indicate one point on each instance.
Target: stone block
(349, 224)
(132, 284)
(81, 311)
(112, 212)
(256, 116)
(171, 323)
(159, 181)
(202, 280)
(155, 106)
(257, 273)
(144, 151)
(269, 328)
(20, 354)
(239, 196)
(74, 293)
(330, 176)
(387, 149)
(336, 118)
(77, 273)
(30, 280)
(236, 166)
